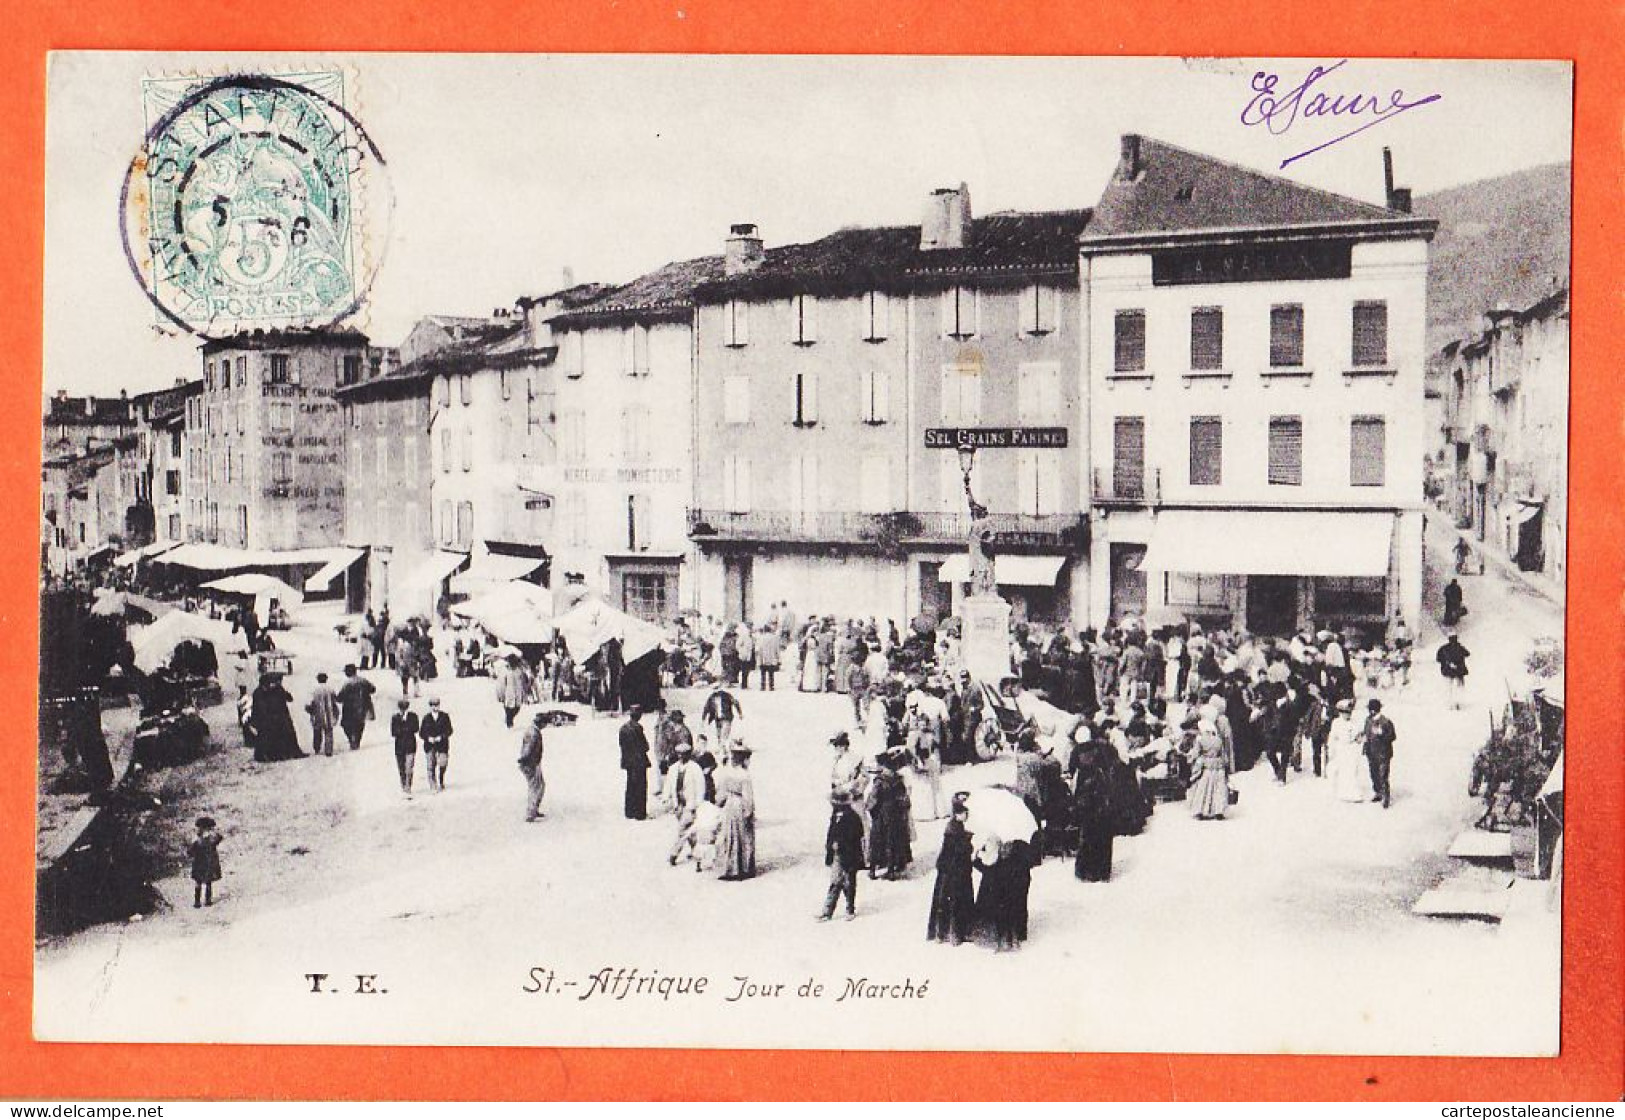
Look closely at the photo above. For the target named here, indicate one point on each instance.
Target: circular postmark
(255, 202)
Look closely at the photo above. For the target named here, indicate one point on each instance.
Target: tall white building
(1255, 354)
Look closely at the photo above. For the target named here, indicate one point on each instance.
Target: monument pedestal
(985, 638)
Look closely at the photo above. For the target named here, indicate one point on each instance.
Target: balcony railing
(1111, 490)
(1060, 530)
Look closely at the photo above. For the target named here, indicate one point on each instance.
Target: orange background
(1593, 982)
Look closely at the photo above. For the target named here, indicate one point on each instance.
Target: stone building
(1255, 371)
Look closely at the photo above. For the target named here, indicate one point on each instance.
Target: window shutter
(1130, 342)
(1207, 338)
(875, 403)
(805, 310)
(468, 449)
(1128, 457)
(1371, 333)
(1368, 438)
(628, 362)
(1207, 451)
(1027, 393)
(1027, 482)
(1286, 334)
(809, 397)
(878, 315)
(950, 312)
(1286, 451)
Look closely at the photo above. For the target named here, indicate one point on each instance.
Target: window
(1195, 589)
(1286, 451)
(242, 371)
(281, 468)
(504, 436)
(1038, 392)
(637, 522)
(635, 350)
(443, 385)
(735, 323)
(172, 486)
(874, 484)
(352, 370)
(465, 383)
(383, 459)
(1286, 335)
(1207, 338)
(804, 484)
(803, 320)
(1129, 335)
(959, 312)
(961, 394)
(445, 449)
(242, 524)
(572, 435)
(468, 449)
(238, 410)
(279, 369)
(876, 316)
(1128, 457)
(380, 410)
(505, 382)
(874, 396)
(1371, 333)
(409, 450)
(643, 595)
(574, 350)
(1038, 313)
(735, 484)
(465, 524)
(1038, 482)
(1207, 450)
(208, 375)
(736, 399)
(447, 522)
(1368, 438)
(1351, 595)
(806, 399)
(635, 434)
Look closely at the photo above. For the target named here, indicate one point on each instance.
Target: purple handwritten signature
(1278, 112)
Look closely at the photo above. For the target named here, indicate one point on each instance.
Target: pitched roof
(668, 289)
(1158, 188)
(92, 411)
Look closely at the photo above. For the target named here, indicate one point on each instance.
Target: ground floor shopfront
(1271, 572)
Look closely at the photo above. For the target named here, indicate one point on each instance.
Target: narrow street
(1288, 920)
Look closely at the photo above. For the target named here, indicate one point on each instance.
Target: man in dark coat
(843, 855)
(1452, 658)
(355, 705)
(530, 765)
(1379, 738)
(435, 731)
(635, 761)
(953, 901)
(274, 736)
(403, 729)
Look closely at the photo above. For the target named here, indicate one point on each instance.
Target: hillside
(1500, 241)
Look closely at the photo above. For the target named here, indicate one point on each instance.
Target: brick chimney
(1129, 166)
(742, 252)
(1397, 198)
(947, 219)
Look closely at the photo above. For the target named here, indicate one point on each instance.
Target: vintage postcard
(910, 553)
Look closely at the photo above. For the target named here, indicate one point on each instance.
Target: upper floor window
(874, 396)
(1286, 335)
(1038, 393)
(1370, 333)
(1128, 457)
(635, 350)
(804, 320)
(1038, 309)
(1207, 338)
(280, 370)
(806, 399)
(1368, 438)
(735, 323)
(465, 384)
(352, 369)
(1207, 451)
(208, 375)
(959, 312)
(961, 394)
(1129, 341)
(635, 434)
(1286, 451)
(242, 371)
(443, 385)
(736, 399)
(876, 316)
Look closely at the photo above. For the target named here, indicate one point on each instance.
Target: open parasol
(998, 812)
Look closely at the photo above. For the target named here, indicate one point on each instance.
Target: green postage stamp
(251, 203)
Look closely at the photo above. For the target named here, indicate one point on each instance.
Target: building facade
(820, 370)
(270, 464)
(1504, 433)
(1255, 370)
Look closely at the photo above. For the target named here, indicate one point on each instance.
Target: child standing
(205, 853)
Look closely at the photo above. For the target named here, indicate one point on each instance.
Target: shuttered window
(1038, 393)
(1130, 342)
(736, 399)
(1038, 309)
(1368, 448)
(735, 484)
(1207, 338)
(803, 320)
(1207, 450)
(1371, 333)
(1128, 457)
(874, 392)
(1286, 451)
(876, 316)
(959, 312)
(1286, 334)
(635, 350)
(961, 394)
(804, 484)
(735, 323)
(874, 484)
(806, 402)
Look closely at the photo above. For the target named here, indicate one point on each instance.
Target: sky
(508, 169)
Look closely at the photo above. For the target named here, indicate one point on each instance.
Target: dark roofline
(276, 339)
(1394, 229)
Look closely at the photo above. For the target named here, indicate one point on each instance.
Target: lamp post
(981, 565)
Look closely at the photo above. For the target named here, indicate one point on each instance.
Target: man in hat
(1379, 739)
(843, 855)
(355, 706)
(846, 772)
(635, 761)
(685, 789)
(671, 733)
(1452, 658)
(403, 729)
(530, 764)
(435, 731)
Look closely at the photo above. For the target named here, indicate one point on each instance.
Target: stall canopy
(126, 559)
(336, 566)
(519, 613)
(493, 569)
(200, 556)
(592, 622)
(1270, 543)
(154, 644)
(259, 585)
(1011, 571)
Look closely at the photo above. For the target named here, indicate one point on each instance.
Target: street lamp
(981, 565)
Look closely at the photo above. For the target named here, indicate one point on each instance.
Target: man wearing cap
(635, 761)
(685, 789)
(530, 764)
(1379, 750)
(403, 729)
(435, 731)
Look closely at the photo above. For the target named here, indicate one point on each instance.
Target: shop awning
(1010, 571)
(125, 559)
(436, 568)
(1270, 543)
(204, 557)
(1027, 571)
(1527, 511)
(493, 568)
(340, 563)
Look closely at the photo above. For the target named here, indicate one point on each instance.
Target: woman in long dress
(1346, 766)
(812, 677)
(1209, 796)
(275, 739)
(736, 796)
(1092, 810)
